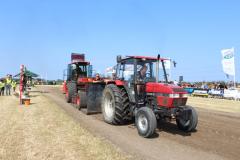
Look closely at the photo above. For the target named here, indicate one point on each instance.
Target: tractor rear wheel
(71, 90)
(126, 105)
(191, 123)
(112, 105)
(67, 98)
(146, 122)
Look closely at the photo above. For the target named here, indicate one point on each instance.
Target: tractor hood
(153, 87)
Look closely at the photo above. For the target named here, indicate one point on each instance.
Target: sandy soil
(217, 135)
(44, 131)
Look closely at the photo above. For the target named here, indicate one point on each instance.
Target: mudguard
(94, 97)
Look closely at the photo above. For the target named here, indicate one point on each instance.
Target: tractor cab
(78, 68)
(135, 70)
(79, 73)
(138, 73)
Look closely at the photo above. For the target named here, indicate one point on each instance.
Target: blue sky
(42, 34)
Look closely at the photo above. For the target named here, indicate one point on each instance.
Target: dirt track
(217, 135)
(44, 131)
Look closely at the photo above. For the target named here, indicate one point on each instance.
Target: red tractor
(137, 92)
(79, 73)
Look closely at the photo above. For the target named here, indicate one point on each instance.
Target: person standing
(8, 85)
(97, 77)
(14, 84)
(2, 86)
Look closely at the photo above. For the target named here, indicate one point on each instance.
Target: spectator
(8, 85)
(97, 77)
(14, 84)
(2, 87)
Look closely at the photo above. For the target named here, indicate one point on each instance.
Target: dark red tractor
(79, 73)
(138, 92)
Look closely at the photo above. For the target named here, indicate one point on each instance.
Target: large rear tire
(146, 122)
(190, 124)
(71, 90)
(126, 106)
(113, 109)
(68, 100)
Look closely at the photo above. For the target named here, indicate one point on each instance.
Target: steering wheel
(148, 75)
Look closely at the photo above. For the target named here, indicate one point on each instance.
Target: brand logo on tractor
(228, 56)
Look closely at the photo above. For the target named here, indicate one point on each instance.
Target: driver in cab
(141, 76)
(142, 73)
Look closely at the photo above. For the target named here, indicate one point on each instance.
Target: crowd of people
(209, 85)
(7, 85)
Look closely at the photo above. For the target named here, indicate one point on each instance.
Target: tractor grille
(178, 90)
(179, 102)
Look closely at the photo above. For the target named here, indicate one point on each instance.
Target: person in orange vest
(8, 85)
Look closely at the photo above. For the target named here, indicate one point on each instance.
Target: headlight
(174, 95)
(184, 95)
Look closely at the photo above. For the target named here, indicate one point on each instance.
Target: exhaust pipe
(157, 68)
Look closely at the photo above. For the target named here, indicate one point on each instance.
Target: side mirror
(119, 59)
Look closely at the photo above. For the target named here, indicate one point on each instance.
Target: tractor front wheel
(146, 122)
(190, 123)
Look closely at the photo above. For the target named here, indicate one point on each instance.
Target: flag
(228, 61)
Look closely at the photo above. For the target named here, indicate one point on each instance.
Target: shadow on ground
(172, 129)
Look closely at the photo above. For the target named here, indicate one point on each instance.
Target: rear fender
(122, 84)
(119, 83)
(82, 80)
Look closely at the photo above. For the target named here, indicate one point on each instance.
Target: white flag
(228, 61)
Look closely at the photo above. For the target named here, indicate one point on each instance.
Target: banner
(228, 61)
